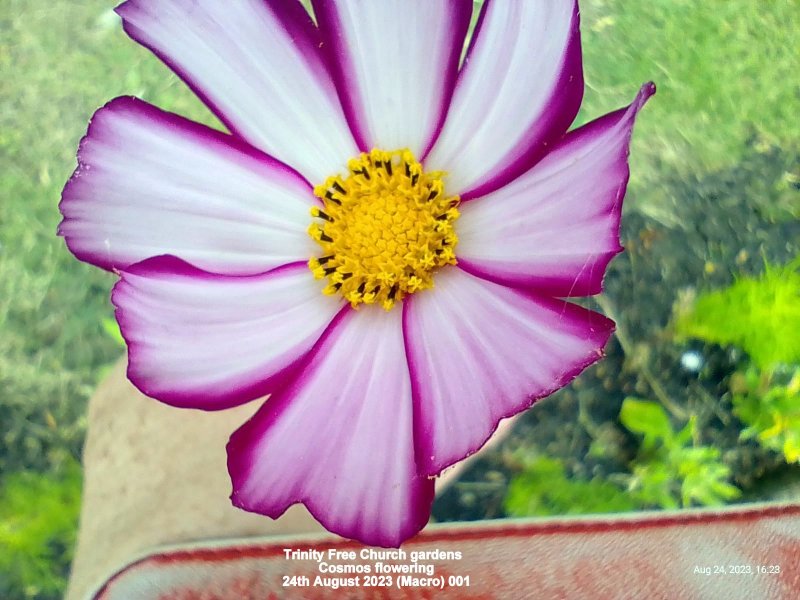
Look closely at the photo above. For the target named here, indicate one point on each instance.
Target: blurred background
(697, 401)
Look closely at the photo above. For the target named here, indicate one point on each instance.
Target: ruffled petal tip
(555, 228)
(468, 372)
(199, 340)
(150, 182)
(339, 439)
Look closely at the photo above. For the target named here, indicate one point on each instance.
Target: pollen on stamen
(384, 229)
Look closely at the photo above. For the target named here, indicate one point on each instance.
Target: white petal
(479, 352)
(339, 440)
(209, 341)
(518, 91)
(256, 64)
(395, 64)
(556, 227)
(150, 183)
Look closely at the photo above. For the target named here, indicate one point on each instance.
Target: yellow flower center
(384, 229)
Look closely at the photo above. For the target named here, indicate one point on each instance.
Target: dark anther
(438, 251)
(337, 286)
(393, 291)
(346, 276)
(338, 188)
(414, 179)
(376, 289)
(325, 237)
(432, 195)
(442, 217)
(362, 287)
(388, 166)
(329, 196)
(325, 259)
(325, 216)
(408, 170)
(330, 270)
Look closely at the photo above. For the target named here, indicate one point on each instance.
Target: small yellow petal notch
(384, 229)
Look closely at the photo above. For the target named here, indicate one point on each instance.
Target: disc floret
(384, 229)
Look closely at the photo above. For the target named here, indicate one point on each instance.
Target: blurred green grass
(726, 72)
(38, 514)
(59, 61)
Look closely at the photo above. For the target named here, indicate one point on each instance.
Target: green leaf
(685, 435)
(760, 315)
(543, 488)
(111, 327)
(770, 408)
(654, 484)
(646, 418)
(38, 523)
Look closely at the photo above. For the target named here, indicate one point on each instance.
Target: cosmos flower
(383, 243)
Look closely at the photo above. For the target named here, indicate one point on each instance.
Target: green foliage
(760, 315)
(543, 488)
(770, 409)
(647, 419)
(111, 327)
(669, 471)
(38, 522)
